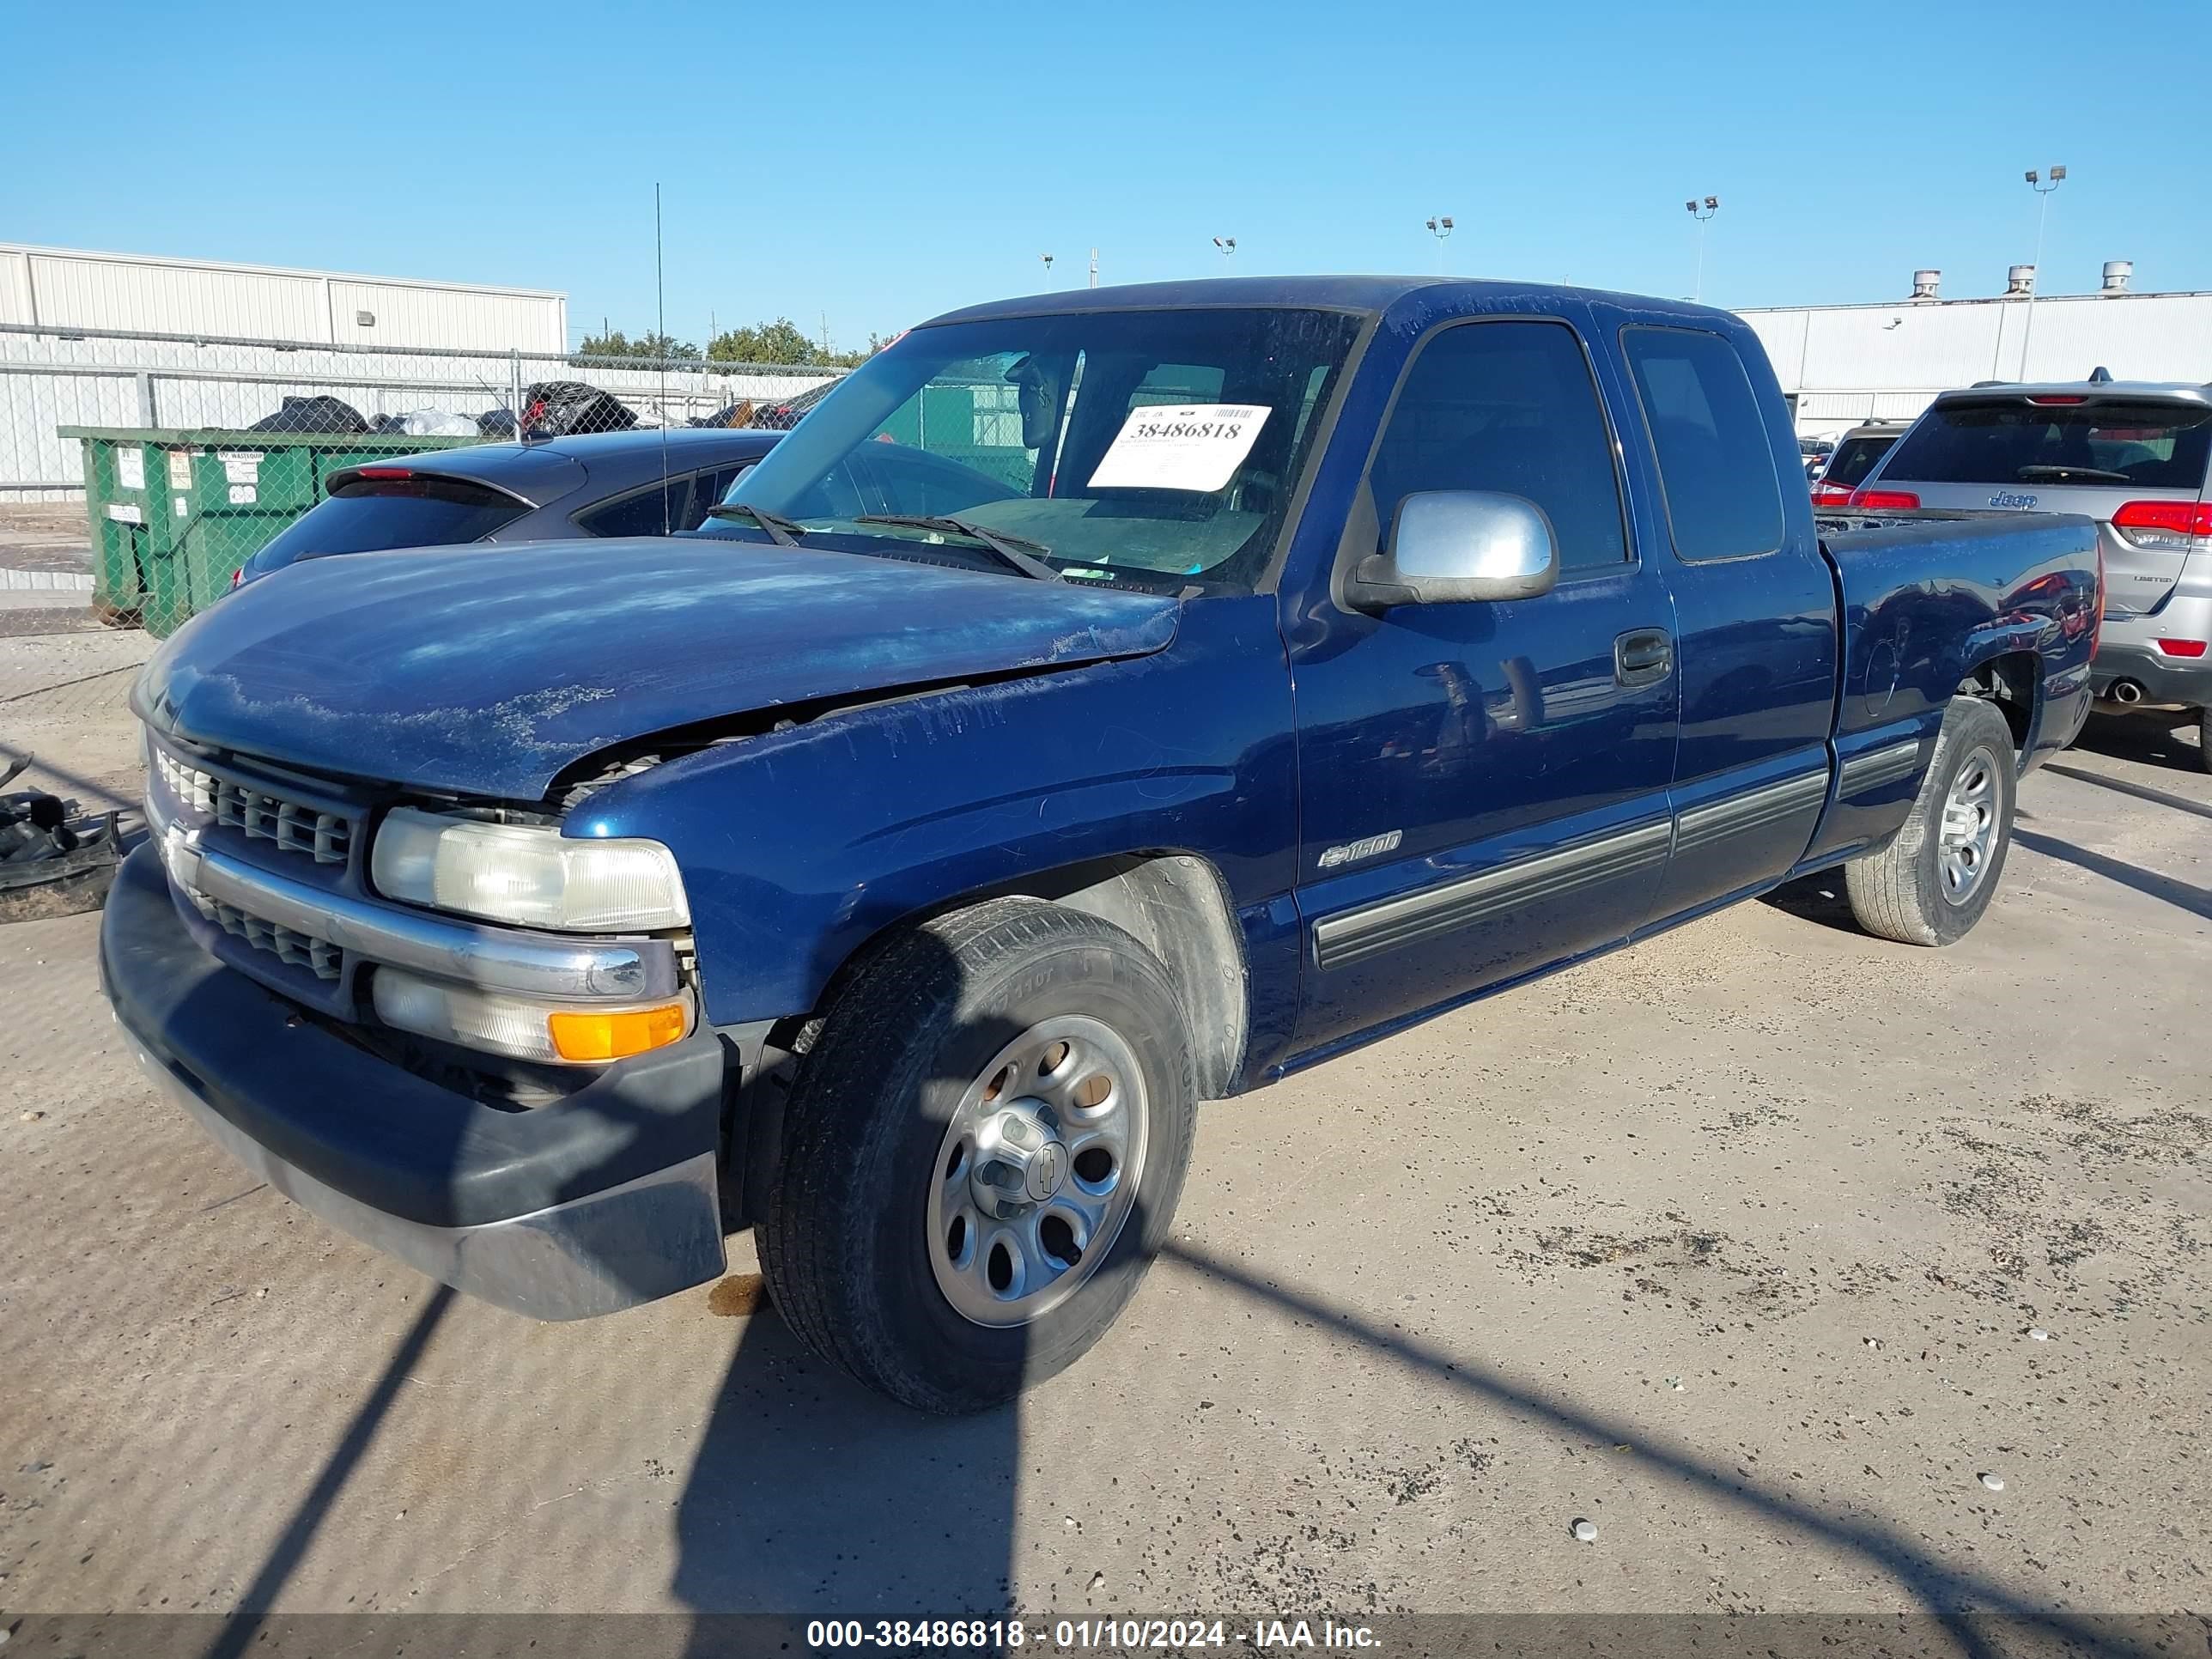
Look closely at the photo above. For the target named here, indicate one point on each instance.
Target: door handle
(1642, 657)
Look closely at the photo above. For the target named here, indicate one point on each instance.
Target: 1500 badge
(1352, 851)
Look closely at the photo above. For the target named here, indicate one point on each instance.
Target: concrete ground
(1758, 1247)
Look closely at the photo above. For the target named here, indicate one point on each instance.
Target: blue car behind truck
(1259, 666)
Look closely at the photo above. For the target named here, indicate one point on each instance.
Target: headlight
(529, 1030)
(528, 874)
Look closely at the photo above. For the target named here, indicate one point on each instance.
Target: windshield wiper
(784, 532)
(1009, 548)
(2055, 474)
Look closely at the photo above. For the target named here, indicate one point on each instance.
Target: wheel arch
(2013, 682)
(1174, 902)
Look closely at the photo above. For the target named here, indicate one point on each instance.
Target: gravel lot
(1737, 1245)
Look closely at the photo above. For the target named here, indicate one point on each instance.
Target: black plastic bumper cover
(366, 1128)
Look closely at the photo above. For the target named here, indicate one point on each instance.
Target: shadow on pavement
(240, 1628)
(2139, 791)
(2152, 739)
(1817, 898)
(1955, 1597)
(2197, 901)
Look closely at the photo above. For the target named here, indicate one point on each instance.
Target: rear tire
(1931, 883)
(2204, 738)
(928, 1114)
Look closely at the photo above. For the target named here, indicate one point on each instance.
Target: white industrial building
(132, 341)
(61, 288)
(1844, 364)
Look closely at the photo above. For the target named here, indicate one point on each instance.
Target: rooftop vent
(2021, 279)
(1925, 282)
(2119, 273)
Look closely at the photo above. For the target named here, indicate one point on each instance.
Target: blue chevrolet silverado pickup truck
(1268, 664)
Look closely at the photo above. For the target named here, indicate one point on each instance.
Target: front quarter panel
(799, 846)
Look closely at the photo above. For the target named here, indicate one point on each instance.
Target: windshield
(1153, 449)
(2149, 443)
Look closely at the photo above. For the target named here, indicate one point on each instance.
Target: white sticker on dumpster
(242, 466)
(130, 469)
(123, 512)
(241, 495)
(180, 469)
(1192, 447)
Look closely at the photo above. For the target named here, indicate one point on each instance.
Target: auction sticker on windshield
(1192, 447)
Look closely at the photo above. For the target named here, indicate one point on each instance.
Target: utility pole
(1227, 247)
(2042, 188)
(1704, 214)
(1047, 257)
(1440, 229)
(1094, 267)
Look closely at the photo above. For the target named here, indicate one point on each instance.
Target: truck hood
(488, 671)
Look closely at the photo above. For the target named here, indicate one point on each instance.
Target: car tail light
(384, 472)
(2171, 526)
(1885, 501)
(2182, 647)
(238, 575)
(2061, 399)
(1831, 495)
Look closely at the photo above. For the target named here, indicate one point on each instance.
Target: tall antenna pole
(661, 328)
(1094, 267)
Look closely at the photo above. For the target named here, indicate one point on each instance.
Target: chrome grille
(324, 836)
(320, 955)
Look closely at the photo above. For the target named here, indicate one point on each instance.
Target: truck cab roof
(1364, 294)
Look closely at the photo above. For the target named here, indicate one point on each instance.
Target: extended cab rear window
(1716, 469)
(2013, 438)
(367, 515)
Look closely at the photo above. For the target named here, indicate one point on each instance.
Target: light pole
(1227, 247)
(2042, 187)
(1702, 213)
(1440, 229)
(1047, 257)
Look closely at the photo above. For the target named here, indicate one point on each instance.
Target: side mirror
(1450, 546)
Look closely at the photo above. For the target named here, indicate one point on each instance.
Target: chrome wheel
(1037, 1171)
(1969, 829)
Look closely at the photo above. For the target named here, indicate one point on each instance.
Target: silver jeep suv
(2134, 455)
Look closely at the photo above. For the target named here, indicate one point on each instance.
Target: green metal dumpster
(174, 512)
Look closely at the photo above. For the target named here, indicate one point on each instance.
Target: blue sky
(881, 162)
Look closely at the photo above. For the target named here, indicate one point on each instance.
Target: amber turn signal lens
(588, 1036)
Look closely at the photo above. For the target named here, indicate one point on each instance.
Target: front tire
(982, 1152)
(1931, 883)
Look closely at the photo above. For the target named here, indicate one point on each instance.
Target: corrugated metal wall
(1850, 363)
(70, 289)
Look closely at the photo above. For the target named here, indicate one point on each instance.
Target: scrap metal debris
(54, 861)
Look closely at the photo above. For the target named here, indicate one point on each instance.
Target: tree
(653, 347)
(779, 342)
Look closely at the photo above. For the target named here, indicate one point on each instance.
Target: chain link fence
(138, 471)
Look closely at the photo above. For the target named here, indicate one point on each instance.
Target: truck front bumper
(604, 1200)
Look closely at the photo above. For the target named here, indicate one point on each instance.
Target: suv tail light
(2168, 526)
(2182, 647)
(1885, 501)
(1825, 494)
